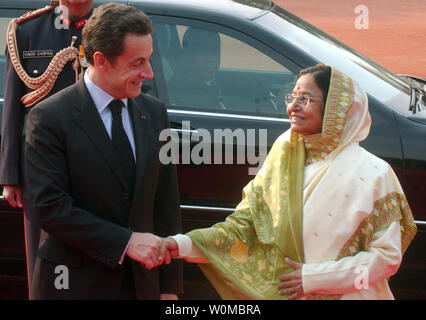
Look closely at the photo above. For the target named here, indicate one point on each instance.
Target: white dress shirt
(102, 100)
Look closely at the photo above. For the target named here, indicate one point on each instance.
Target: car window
(206, 70)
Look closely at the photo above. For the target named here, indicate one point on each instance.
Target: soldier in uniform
(42, 57)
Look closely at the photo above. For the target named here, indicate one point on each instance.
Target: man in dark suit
(92, 152)
(40, 36)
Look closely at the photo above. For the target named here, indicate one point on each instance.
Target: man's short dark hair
(108, 26)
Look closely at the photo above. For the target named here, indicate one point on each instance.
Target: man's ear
(101, 62)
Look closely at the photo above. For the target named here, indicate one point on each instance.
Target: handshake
(151, 250)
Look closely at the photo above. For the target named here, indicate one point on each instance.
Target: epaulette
(32, 14)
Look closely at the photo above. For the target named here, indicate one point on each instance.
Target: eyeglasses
(302, 100)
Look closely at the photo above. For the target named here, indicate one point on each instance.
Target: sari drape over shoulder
(321, 200)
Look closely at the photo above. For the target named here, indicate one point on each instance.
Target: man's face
(77, 8)
(131, 68)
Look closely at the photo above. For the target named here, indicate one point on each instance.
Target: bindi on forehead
(301, 91)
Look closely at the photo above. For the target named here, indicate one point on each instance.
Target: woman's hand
(168, 250)
(291, 283)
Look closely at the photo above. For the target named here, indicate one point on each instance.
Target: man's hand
(143, 247)
(13, 195)
(168, 249)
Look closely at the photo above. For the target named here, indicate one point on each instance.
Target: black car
(219, 138)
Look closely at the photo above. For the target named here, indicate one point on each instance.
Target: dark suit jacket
(84, 204)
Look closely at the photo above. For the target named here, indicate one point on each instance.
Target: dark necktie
(122, 144)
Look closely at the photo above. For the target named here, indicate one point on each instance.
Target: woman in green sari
(323, 218)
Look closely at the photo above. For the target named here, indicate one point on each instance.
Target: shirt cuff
(184, 244)
(189, 251)
(120, 262)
